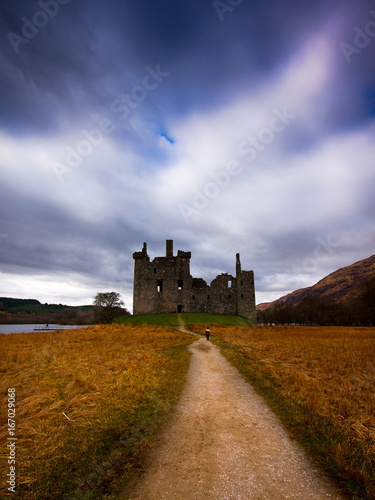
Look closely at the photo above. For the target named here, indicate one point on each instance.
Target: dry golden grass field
(321, 382)
(88, 403)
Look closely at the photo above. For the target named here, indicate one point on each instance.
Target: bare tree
(108, 306)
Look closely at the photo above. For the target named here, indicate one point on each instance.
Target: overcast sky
(228, 126)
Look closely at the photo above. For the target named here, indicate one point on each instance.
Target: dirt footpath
(225, 443)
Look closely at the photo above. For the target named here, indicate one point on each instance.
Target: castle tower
(162, 285)
(238, 265)
(141, 285)
(245, 292)
(169, 248)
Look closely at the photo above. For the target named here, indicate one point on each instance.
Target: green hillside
(33, 306)
(175, 320)
(29, 311)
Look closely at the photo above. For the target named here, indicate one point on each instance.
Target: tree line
(316, 310)
(107, 306)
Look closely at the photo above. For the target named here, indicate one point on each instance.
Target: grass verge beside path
(321, 383)
(88, 405)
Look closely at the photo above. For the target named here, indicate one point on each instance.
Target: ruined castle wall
(165, 285)
(172, 282)
(196, 296)
(223, 294)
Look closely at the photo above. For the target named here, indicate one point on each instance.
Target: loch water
(30, 328)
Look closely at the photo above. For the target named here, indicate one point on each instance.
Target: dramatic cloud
(242, 129)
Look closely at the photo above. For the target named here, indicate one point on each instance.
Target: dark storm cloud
(88, 53)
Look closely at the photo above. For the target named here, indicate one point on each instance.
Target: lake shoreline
(40, 327)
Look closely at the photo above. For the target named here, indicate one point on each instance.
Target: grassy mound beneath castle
(178, 319)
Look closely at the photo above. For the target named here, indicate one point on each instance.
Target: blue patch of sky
(169, 139)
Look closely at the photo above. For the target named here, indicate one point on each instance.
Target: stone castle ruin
(165, 285)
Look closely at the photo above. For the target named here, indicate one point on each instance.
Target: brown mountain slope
(338, 286)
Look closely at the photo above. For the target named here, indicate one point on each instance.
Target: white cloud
(67, 288)
(206, 142)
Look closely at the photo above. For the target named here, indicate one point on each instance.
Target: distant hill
(13, 306)
(13, 310)
(340, 287)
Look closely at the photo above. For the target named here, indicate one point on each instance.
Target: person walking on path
(208, 333)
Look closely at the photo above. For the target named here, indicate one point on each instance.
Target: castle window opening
(154, 270)
(241, 282)
(180, 284)
(229, 283)
(193, 297)
(242, 296)
(229, 296)
(208, 297)
(160, 286)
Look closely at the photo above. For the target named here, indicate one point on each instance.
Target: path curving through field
(225, 443)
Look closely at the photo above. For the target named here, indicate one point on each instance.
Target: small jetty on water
(52, 328)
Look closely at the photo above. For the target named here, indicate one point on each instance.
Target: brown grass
(114, 383)
(321, 381)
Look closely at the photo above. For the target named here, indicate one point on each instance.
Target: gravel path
(225, 443)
